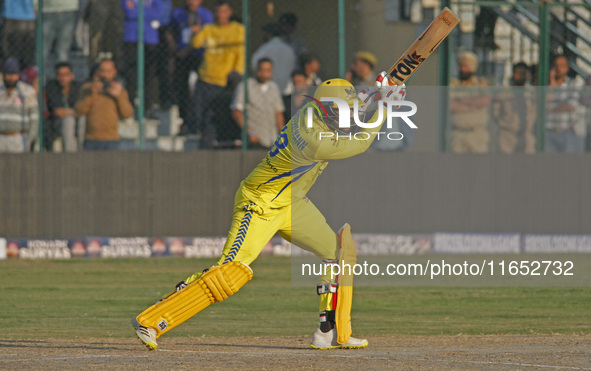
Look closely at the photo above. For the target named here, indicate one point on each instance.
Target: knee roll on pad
(215, 285)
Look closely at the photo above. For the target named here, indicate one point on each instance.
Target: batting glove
(368, 96)
(388, 90)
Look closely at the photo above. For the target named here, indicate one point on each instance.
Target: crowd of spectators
(511, 112)
(195, 59)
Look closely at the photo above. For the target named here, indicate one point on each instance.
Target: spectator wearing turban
(469, 106)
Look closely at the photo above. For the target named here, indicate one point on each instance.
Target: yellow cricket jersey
(224, 51)
(297, 158)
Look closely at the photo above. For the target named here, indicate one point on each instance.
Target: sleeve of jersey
(341, 145)
(198, 40)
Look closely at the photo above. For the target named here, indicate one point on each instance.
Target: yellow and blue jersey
(297, 158)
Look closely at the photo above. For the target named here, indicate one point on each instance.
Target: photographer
(104, 101)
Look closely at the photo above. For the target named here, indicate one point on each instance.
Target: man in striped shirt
(18, 110)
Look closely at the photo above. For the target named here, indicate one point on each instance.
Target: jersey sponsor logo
(268, 162)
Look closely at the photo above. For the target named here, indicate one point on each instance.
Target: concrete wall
(415, 193)
(165, 194)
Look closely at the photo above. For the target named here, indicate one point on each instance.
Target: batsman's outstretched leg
(215, 285)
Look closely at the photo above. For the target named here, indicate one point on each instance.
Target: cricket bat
(423, 47)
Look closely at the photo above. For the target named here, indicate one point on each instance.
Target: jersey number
(280, 143)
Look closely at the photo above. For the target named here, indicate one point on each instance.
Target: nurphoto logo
(344, 120)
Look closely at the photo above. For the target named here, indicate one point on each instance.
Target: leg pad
(345, 288)
(215, 285)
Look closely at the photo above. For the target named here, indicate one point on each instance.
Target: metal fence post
(41, 73)
(246, 23)
(341, 38)
(444, 55)
(140, 72)
(544, 70)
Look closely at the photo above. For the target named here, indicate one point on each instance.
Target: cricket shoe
(328, 340)
(145, 334)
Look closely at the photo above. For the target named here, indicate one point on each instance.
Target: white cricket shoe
(328, 340)
(145, 334)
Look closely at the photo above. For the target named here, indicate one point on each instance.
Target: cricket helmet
(335, 88)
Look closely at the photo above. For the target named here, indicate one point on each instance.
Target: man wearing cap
(469, 105)
(18, 110)
(361, 73)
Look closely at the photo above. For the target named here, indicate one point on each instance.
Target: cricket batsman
(272, 199)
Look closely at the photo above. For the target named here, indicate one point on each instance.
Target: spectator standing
(562, 116)
(228, 132)
(103, 101)
(184, 25)
(469, 105)
(59, 21)
(18, 38)
(361, 75)
(224, 53)
(515, 114)
(310, 64)
(152, 10)
(105, 18)
(288, 23)
(82, 30)
(281, 55)
(19, 119)
(298, 88)
(62, 95)
(265, 107)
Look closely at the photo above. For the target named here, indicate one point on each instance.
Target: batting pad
(345, 291)
(215, 285)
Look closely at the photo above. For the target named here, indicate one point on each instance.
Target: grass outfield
(92, 298)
